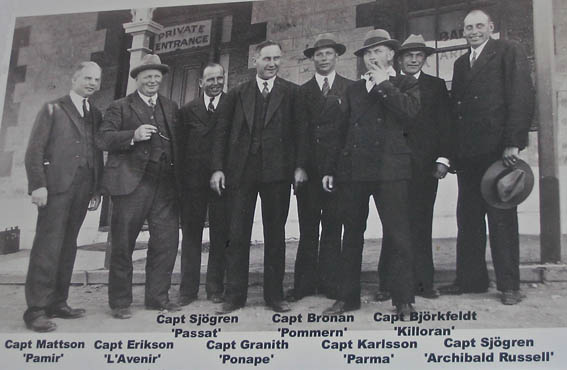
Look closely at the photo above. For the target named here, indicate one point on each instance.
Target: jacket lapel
(138, 107)
(69, 108)
(362, 100)
(168, 115)
(198, 107)
(487, 53)
(248, 98)
(314, 97)
(276, 97)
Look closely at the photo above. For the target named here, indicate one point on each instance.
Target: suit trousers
(194, 211)
(472, 209)
(423, 191)
(392, 202)
(275, 207)
(317, 263)
(154, 199)
(55, 244)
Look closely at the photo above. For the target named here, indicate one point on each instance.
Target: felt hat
(414, 43)
(149, 61)
(506, 187)
(325, 40)
(377, 37)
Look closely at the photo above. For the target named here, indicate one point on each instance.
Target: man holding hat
(428, 140)
(138, 132)
(373, 158)
(322, 99)
(492, 106)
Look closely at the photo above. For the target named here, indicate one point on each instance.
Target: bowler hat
(415, 42)
(377, 37)
(324, 40)
(505, 187)
(149, 61)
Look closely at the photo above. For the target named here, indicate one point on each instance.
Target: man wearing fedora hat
(492, 106)
(322, 97)
(139, 133)
(428, 140)
(373, 159)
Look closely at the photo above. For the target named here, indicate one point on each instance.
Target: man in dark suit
(429, 141)
(258, 149)
(492, 105)
(322, 96)
(139, 133)
(374, 159)
(196, 123)
(63, 168)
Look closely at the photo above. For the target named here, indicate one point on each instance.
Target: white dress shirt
(478, 50)
(321, 79)
(146, 99)
(261, 81)
(207, 100)
(78, 102)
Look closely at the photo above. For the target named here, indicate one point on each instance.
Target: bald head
(478, 27)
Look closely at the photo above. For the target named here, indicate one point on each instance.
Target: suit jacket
(322, 116)
(126, 164)
(372, 140)
(195, 143)
(55, 145)
(429, 133)
(493, 102)
(283, 148)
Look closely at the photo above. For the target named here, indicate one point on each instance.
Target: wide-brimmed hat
(149, 61)
(415, 42)
(375, 38)
(324, 40)
(506, 187)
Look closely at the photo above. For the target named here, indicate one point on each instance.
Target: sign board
(183, 36)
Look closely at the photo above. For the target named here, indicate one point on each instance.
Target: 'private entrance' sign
(183, 36)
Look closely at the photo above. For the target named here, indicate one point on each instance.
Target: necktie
(325, 89)
(85, 109)
(265, 91)
(211, 107)
(152, 103)
(473, 59)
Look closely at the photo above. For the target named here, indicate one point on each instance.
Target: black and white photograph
(283, 184)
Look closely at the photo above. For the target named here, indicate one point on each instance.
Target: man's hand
(378, 74)
(328, 183)
(510, 156)
(299, 178)
(94, 202)
(217, 182)
(440, 171)
(39, 197)
(144, 132)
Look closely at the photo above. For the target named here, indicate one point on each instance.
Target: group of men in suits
(391, 135)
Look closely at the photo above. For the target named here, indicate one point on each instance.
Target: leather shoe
(228, 307)
(280, 306)
(65, 312)
(41, 324)
(186, 300)
(404, 311)
(382, 296)
(121, 313)
(215, 298)
(340, 307)
(511, 297)
(452, 289)
(429, 293)
(169, 306)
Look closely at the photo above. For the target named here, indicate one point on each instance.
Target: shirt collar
(321, 79)
(207, 100)
(77, 101)
(146, 99)
(478, 50)
(416, 75)
(260, 83)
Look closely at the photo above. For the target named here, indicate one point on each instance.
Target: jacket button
(78, 142)
(145, 152)
(317, 140)
(356, 124)
(459, 102)
(281, 140)
(460, 117)
(378, 119)
(475, 97)
(376, 143)
(77, 156)
(152, 117)
(355, 146)
(385, 95)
